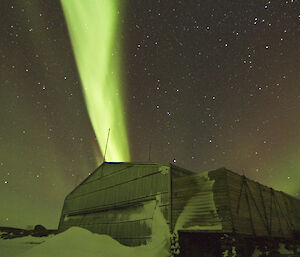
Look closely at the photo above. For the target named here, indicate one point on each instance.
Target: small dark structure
(218, 209)
(38, 231)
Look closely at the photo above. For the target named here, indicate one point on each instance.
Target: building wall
(224, 201)
(119, 199)
(193, 204)
(258, 210)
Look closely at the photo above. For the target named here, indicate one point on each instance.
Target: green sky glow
(287, 169)
(93, 27)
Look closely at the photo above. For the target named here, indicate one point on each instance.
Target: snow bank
(79, 242)
(16, 246)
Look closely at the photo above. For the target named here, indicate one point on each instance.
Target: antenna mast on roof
(106, 144)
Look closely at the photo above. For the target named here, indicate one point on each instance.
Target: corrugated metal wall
(118, 199)
(258, 210)
(224, 201)
(295, 206)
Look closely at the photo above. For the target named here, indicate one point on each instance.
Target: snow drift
(79, 242)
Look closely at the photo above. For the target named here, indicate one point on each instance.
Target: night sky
(207, 83)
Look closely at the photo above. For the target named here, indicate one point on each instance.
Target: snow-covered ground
(78, 242)
(17, 246)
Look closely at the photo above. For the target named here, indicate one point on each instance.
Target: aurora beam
(94, 30)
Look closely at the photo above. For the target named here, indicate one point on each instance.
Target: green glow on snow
(93, 28)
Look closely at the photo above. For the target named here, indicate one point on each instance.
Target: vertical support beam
(264, 209)
(249, 208)
(229, 202)
(170, 199)
(240, 196)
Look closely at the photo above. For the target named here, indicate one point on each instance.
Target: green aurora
(93, 28)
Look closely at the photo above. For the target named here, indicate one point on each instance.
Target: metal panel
(121, 223)
(111, 194)
(113, 200)
(178, 172)
(259, 210)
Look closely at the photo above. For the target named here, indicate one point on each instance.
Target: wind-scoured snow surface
(17, 246)
(79, 242)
